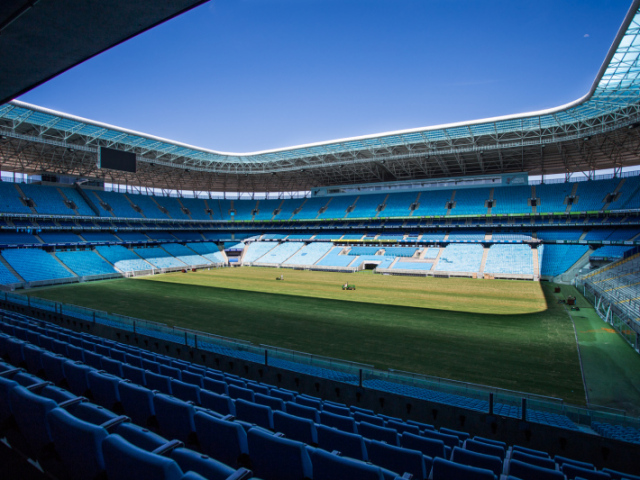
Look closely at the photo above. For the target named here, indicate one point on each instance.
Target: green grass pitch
(509, 334)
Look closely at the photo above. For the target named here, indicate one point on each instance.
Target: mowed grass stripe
(454, 294)
(533, 352)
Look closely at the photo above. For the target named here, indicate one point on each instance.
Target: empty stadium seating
(460, 258)
(89, 438)
(509, 259)
(85, 263)
(123, 259)
(35, 265)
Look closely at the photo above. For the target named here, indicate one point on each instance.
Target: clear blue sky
(249, 75)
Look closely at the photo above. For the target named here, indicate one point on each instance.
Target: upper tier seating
(471, 201)
(309, 210)
(184, 254)
(337, 207)
(48, 200)
(511, 259)
(85, 263)
(172, 205)
(266, 209)
(399, 204)
(511, 236)
(159, 257)
(591, 195)
(432, 237)
(81, 205)
(244, 209)
(433, 203)
(280, 253)
(288, 207)
(10, 199)
(458, 257)
(552, 197)
(367, 205)
(511, 200)
(563, 234)
(160, 235)
(35, 265)
(148, 206)
(123, 259)
(121, 207)
(309, 254)
(198, 209)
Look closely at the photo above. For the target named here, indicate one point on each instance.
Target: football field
(509, 334)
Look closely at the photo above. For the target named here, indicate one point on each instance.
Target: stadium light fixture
(586, 139)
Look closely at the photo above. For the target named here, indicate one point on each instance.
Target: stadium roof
(594, 132)
(41, 39)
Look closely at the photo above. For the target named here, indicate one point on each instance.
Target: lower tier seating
(185, 421)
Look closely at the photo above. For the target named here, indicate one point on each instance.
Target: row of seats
(590, 196)
(390, 444)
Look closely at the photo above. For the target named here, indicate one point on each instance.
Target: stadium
(449, 302)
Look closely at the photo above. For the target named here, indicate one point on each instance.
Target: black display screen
(117, 160)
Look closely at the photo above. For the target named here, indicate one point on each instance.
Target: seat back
(302, 411)
(175, 417)
(327, 466)
(296, 428)
(346, 424)
(30, 412)
(277, 458)
(486, 448)
(428, 446)
(446, 470)
(78, 444)
(349, 444)
(526, 471)
(126, 461)
(254, 413)
(400, 460)
(137, 402)
(475, 459)
(375, 432)
(221, 404)
(225, 440)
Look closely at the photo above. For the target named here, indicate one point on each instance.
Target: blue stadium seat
(573, 471)
(137, 402)
(348, 444)
(336, 409)
(461, 435)
(329, 466)
(446, 470)
(53, 367)
(561, 461)
(125, 461)
(158, 382)
(236, 392)
(276, 458)
(479, 460)
(185, 391)
(476, 445)
(225, 440)
(450, 441)
(616, 475)
(309, 401)
(346, 424)
(104, 388)
(254, 413)
(211, 469)
(77, 443)
(221, 404)
(76, 376)
(374, 432)
(269, 401)
(30, 411)
(402, 427)
(174, 417)
(296, 428)
(192, 378)
(285, 395)
(258, 388)
(112, 366)
(216, 386)
(428, 446)
(398, 459)
(527, 471)
(533, 459)
(134, 374)
(302, 411)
